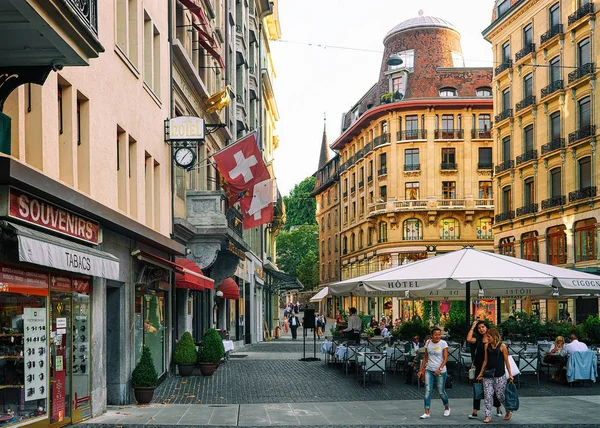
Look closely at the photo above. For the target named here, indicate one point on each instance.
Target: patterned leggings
(490, 386)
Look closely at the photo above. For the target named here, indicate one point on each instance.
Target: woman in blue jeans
(434, 366)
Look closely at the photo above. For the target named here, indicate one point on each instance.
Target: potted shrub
(386, 98)
(144, 378)
(185, 354)
(211, 351)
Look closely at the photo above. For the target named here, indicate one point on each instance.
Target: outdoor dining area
(464, 275)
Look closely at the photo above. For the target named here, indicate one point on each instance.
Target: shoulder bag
(472, 374)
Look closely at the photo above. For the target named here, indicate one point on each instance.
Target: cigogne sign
(32, 209)
(186, 128)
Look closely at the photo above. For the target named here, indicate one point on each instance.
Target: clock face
(185, 157)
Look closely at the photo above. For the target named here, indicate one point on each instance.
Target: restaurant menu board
(34, 350)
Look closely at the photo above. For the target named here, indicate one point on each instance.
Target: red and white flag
(241, 166)
(258, 207)
(262, 216)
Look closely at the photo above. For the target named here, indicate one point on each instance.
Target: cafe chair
(465, 363)
(528, 364)
(374, 363)
(582, 366)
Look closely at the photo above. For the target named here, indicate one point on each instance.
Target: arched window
(323, 248)
(506, 246)
(361, 239)
(329, 221)
(529, 246)
(484, 92)
(484, 228)
(328, 245)
(370, 236)
(557, 245)
(383, 232)
(345, 245)
(448, 92)
(585, 241)
(412, 230)
(352, 242)
(449, 228)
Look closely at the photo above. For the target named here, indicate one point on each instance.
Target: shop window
(150, 325)
(585, 240)
(484, 228)
(412, 230)
(529, 246)
(506, 246)
(557, 245)
(449, 228)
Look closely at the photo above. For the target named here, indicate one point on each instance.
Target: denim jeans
(440, 381)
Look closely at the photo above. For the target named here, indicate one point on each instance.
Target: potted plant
(210, 353)
(386, 98)
(144, 378)
(185, 354)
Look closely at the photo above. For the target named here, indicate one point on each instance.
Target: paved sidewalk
(535, 411)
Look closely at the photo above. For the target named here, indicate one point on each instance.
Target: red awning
(207, 43)
(229, 288)
(191, 276)
(156, 260)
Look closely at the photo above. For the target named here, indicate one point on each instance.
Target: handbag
(489, 373)
(472, 374)
(478, 391)
(511, 397)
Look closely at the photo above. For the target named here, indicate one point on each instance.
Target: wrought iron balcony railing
(353, 189)
(584, 10)
(369, 178)
(448, 134)
(504, 166)
(414, 134)
(582, 71)
(527, 209)
(382, 171)
(87, 12)
(481, 134)
(555, 144)
(585, 193)
(555, 201)
(368, 147)
(526, 102)
(509, 215)
(506, 64)
(358, 155)
(238, 29)
(344, 194)
(449, 166)
(557, 85)
(527, 49)
(485, 165)
(505, 114)
(382, 139)
(361, 184)
(553, 31)
(527, 156)
(412, 167)
(580, 134)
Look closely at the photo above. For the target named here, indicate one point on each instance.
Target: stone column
(570, 245)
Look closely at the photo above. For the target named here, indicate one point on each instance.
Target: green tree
(294, 246)
(308, 270)
(300, 207)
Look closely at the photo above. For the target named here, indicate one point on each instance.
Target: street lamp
(394, 60)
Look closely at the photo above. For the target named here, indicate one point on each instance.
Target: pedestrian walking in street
(294, 324)
(477, 339)
(434, 368)
(492, 372)
(285, 324)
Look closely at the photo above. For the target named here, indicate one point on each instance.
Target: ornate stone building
(545, 134)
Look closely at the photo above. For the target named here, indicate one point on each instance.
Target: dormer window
(484, 92)
(448, 92)
(503, 6)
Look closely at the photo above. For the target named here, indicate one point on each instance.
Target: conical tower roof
(324, 157)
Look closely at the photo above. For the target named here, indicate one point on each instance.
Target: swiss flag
(263, 216)
(241, 166)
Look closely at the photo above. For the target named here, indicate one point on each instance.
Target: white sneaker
(425, 416)
(447, 412)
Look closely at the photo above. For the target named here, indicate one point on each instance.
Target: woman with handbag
(434, 369)
(476, 339)
(492, 372)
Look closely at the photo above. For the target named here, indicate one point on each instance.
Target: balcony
(504, 115)
(526, 102)
(557, 85)
(484, 203)
(527, 49)
(504, 166)
(509, 215)
(448, 166)
(451, 203)
(582, 71)
(481, 134)
(555, 144)
(555, 201)
(361, 184)
(585, 193)
(527, 209)
(580, 134)
(382, 171)
(412, 167)
(344, 194)
(352, 189)
(369, 178)
(555, 30)
(502, 67)
(345, 251)
(527, 156)
(380, 140)
(410, 205)
(448, 134)
(585, 10)
(485, 165)
(368, 148)
(415, 134)
(358, 155)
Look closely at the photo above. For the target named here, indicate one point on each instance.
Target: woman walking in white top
(434, 367)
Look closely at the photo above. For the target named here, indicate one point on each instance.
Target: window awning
(147, 257)
(229, 288)
(320, 295)
(191, 276)
(205, 39)
(47, 250)
(281, 280)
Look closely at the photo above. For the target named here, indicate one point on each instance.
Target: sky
(313, 78)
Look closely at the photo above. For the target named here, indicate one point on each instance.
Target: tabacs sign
(186, 128)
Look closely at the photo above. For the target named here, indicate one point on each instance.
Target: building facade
(545, 179)
(415, 159)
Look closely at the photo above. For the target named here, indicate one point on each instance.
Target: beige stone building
(545, 178)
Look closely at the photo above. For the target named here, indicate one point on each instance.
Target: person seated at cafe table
(413, 346)
(575, 345)
(557, 358)
(385, 332)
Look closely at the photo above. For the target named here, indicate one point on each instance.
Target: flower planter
(185, 369)
(144, 395)
(207, 369)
